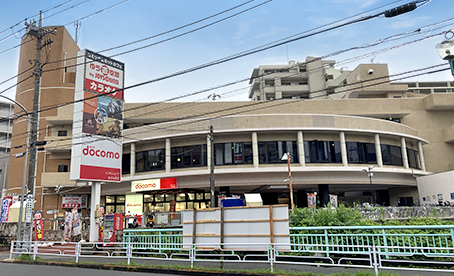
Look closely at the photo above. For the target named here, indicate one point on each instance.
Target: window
(155, 160)
(371, 156)
(150, 160)
(396, 156)
(62, 133)
(189, 156)
(126, 164)
(413, 159)
(272, 152)
(237, 153)
(115, 204)
(62, 168)
(391, 155)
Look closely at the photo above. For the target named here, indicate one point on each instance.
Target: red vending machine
(112, 222)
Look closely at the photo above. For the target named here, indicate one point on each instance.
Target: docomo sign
(154, 184)
(100, 160)
(92, 151)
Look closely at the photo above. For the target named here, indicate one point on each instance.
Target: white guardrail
(372, 257)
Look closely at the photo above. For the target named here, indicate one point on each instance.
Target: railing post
(374, 256)
(35, 249)
(11, 250)
(385, 242)
(271, 255)
(78, 249)
(129, 252)
(452, 236)
(192, 255)
(326, 243)
(160, 240)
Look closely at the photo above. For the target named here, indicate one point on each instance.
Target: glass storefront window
(110, 199)
(170, 197)
(158, 198)
(207, 196)
(181, 197)
(148, 198)
(121, 199)
(191, 196)
(120, 209)
(110, 209)
(180, 206)
(190, 205)
(199, 196)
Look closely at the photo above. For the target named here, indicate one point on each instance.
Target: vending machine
(112, 222)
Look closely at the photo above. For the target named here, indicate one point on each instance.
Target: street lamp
(286, 156)
(21, 209)
(445, 49)
(370, 174)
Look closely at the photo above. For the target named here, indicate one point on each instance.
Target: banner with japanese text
(39, 226)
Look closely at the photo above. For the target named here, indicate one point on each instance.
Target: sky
(273, 20)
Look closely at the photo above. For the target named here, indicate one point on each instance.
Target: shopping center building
(334, 124)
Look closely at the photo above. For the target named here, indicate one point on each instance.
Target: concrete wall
(430, 186)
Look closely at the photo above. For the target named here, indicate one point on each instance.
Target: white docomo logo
(92, 151)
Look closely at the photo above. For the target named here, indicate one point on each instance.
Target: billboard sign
(96, 154)
(74, 201)
(154, 184)
(103, 75)
(102, 116)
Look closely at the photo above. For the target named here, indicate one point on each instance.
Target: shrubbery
(346, 216)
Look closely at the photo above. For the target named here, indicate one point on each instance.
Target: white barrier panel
(246, 227)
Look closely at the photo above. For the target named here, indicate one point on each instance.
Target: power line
(125, 88)
(253, 106)
(178, 28)
(47, 10)
(224, 85)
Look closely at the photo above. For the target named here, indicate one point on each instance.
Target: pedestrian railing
(336, 239)
(160, 239)
(373, 257)
(397, 239)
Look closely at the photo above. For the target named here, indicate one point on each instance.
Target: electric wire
(224, 85)
(254, 106)
(45, 11)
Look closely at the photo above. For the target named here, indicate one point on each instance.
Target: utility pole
(211, 137)
(39, 33)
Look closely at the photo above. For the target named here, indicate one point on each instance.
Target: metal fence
(396, 239)
(338, 239)
(376, 258)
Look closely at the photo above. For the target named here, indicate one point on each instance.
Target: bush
(341, 216)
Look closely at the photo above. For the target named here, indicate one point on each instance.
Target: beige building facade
(334, 125)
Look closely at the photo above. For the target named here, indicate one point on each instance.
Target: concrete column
(301, 149)
(133, 159)
(378, 151)
(95, 201)
(323, 193)
(421, 156)
(343, 146)
(255, 150)
(403, 149)
(278, 95)
(168, 155)
(209, 149)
